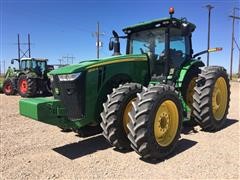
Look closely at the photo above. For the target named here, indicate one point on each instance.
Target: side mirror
(115, 34)
(12, 61)
(110, 46)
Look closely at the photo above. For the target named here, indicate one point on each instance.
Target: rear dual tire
(211, 98)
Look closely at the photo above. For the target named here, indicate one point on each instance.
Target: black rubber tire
(31, 86)
(142, 116)
(112, 115)
(202, 104)
(192, 73)
(12, 83)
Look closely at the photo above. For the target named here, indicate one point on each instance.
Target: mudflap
(46, 110)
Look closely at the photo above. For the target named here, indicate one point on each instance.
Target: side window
(33, 64)
(23, 65)
(177, 50)
(28, 64)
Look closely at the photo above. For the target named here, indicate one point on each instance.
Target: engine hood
(84, 65)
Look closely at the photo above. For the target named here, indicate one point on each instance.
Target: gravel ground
(33, 150)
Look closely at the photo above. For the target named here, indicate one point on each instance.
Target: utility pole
(25, 53)
(19, 50)
(232, 47)
(29, 48)
(239, 58)
(209, 7)
(60, 61)
(68, 58)
(98, 42)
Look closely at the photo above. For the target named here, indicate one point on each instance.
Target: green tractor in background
(143, 97)
(29, 80)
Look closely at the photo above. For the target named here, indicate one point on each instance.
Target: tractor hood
(84, 65)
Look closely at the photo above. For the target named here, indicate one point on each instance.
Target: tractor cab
(166, 42)
(33, 64)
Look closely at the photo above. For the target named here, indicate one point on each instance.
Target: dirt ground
(33, 150)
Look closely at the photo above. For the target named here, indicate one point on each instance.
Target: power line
(232, 47)
(68, 58)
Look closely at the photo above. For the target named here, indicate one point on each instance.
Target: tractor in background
(29, 80)
(142, 98)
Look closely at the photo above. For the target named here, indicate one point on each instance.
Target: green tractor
(140, 99)
(29, 80)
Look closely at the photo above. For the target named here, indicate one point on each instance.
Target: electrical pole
(68, 57)
(232, 47)
(209, 7)
(98, 42)
(29, 48)
(239, 58)
(19, 47)
(60, 61)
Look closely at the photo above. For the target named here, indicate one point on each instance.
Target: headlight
(68, 77)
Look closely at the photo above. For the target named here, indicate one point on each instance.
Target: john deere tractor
(140, 99)
(29, 80)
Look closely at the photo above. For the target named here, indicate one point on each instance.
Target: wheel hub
(163, 122)
(23, 86)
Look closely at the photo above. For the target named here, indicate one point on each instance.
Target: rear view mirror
(12, 61)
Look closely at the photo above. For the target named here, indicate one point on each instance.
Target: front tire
(115, 114)
(211, 98)
(9, 87)
(155, 122)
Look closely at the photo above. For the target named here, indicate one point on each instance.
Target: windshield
(39, 66)
(148, 41)
(153, 42)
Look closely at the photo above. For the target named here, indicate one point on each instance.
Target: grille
(72, 95)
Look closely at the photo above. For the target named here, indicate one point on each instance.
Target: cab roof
(157, 23)
(36, 59)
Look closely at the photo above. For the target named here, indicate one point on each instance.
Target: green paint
(96, 63)
(45, 109)
(156, 21)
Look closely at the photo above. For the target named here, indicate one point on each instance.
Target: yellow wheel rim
(166, 123)
(219, 98)
(126, 118)
(190, 92)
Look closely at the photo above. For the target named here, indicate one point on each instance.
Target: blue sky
(65, 27)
